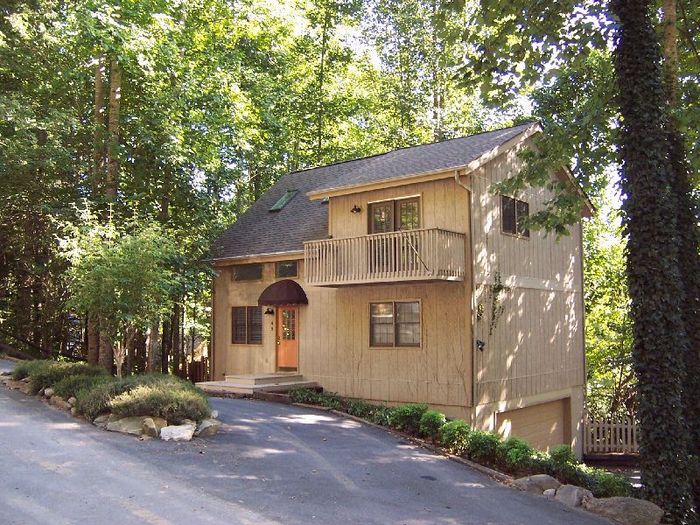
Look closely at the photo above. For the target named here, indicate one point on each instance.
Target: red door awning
(283, 293)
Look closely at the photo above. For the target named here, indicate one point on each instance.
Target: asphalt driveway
(270, 464)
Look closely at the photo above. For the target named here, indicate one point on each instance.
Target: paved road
(270, 464)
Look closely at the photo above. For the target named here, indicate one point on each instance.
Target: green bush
(604, 484)
(382, 415)
(304, 395)
(565, 466)
(430, 423)
(93, 400)
(454, 436)
(514, 454)
(174, 403)
(47, 376)
(359, 408)
(71, 385)
(540, 463)
(482, 446)
(407, 417)
(27, 368)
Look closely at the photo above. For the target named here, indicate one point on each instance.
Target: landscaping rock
(627, 511)
(73, 411)
(26, 379)
(549, 493)
(151, 426)
(182, 432)
(536, 484)
(59, 402)
(48, 392)
(128, 425)
(214, 414)
(18, 385)
(101, 421)
(72, 401)
(572, 495)
(208, 427)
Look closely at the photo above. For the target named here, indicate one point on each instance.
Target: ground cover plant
(513, 455)
(96, 392)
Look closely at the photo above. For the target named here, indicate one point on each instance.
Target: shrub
(382, 415)
(482, 446)
(173, 402)
(359, 408)
(27, 368)
(454, 435)
(93, 400)
(71, 385)
(430, 423)
(330, 400)
(514, 454)
(604, 484)
(565, 466)
(540, 463)
(304, 395)
(407, 417)
(47, 376)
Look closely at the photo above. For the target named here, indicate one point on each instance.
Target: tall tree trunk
(93, 340)
(152, 343)
(654, 278)
(165, 347)
(175, 329)
(115, 95)
(98, 153)
(689, 240)
(106, 359)
(321, 81)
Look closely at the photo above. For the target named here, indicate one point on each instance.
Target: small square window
(286, 269)
(247, 272)
(394, 324)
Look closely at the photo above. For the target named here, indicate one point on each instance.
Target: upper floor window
(246, 325)
(394, 323)
(396, 215)
(247, 272)
(286, 269)
(513, 215)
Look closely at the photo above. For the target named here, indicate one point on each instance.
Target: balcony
(412, 255)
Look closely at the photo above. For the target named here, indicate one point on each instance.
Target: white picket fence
(606, 436)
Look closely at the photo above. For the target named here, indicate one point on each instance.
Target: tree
(125, 279)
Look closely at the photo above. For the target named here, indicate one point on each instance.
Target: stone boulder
(72, 401)
(627, 511)
(151, 426)
(101, 421)
(182, 432)
(59, 402)
(572, 495)
(128, 425)
(549, 493)
(18, 385)
(536, 484)
(208, 427)
(48, 392)
(214, 414)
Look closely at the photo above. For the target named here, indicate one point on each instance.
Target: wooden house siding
(533, 356)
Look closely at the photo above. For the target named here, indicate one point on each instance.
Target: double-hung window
(246, 325)
(396, 323)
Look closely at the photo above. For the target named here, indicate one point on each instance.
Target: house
(402, 277)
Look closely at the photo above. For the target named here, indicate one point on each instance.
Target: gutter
(470, 193)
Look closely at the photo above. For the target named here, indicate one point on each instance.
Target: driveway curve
(271, 463)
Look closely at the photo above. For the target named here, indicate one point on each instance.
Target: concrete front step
(266, 379)
(245, 388)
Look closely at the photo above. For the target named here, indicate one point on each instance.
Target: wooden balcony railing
(412, 255)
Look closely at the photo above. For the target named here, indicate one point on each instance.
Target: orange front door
(287, 337)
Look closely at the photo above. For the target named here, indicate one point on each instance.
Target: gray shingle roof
(259, 231)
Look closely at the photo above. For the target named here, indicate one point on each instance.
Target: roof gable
(259, 231)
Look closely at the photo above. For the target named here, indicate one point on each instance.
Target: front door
(287, 337)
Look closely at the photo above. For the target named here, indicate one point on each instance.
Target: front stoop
(249, 384)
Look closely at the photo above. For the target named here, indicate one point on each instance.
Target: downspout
(468, 189)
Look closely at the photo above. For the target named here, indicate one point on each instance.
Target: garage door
(542, 426)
